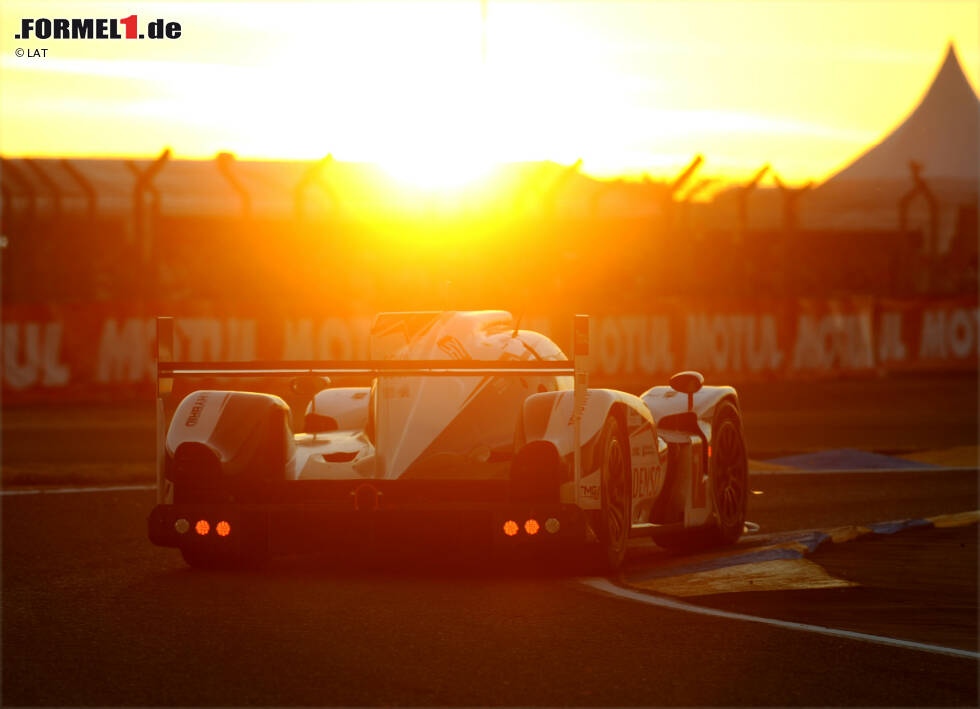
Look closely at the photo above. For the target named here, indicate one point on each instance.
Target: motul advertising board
(106, 351)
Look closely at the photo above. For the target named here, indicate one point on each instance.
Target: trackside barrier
(105, 352)
(168, 370)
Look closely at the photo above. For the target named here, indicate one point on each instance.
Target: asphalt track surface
(94, 615)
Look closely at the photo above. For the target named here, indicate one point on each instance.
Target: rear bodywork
(470, 430)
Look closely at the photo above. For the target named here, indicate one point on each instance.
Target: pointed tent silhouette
(942, 133)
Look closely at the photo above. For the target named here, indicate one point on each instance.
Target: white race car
(472, 429)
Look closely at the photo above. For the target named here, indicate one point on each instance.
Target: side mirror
(687, 383)
(308, 385)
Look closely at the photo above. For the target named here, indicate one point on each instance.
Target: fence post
(791, 197)
(90, 194)
(931, 238)
(224, 162)
(667, 218)
(742, 205)
(550, 197)
(145, 239)
(48, 183)
(310, 176)
(24, 186)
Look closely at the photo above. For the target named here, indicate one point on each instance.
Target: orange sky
(630, 87)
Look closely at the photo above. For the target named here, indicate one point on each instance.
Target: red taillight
(202, 527)
(532, 527)
(510, 528)
(223, 529)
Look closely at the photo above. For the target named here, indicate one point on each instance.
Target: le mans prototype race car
(472, 429)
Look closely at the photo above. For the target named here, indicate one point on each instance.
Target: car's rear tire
(728, 471)
(614, 516)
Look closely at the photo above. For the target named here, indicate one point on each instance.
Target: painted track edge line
(861, 471)
(605, 586)
(801, 543)
(71, 490)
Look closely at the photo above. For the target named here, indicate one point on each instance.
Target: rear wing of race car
(168, 369)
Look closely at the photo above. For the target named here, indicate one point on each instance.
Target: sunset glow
(629, 87)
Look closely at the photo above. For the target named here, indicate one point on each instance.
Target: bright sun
(435, 172)
(444, 140)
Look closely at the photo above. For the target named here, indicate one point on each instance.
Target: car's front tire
(728, 473)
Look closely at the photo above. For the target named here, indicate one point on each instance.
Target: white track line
(859, 471)
(66, 490)
(606, 586)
